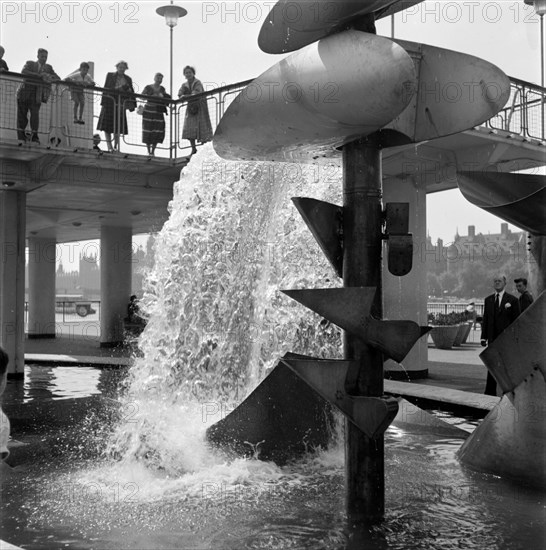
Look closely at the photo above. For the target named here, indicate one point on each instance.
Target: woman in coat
(112, 119)
(197, 125)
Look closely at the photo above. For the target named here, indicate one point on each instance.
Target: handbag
(193, 107)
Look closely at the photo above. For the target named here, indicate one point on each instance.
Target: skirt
(108, 119)
(198, 126)
(153, 125)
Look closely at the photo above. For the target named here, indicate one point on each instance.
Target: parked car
(73, 303)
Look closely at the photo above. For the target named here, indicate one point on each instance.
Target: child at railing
(80, 78)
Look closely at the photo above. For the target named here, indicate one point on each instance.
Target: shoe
(35, 139)
(76, 121)
(194, 151)
(82, 121)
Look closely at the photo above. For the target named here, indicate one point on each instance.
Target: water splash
(216, 319)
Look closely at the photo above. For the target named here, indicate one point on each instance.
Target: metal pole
(542, 50)
(364, 457)
(542, 73)
(392, 25)
(171, 92)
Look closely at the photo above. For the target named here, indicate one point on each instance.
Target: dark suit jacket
(33, 89)
(111, 83)
(493, 325)
(525, 300)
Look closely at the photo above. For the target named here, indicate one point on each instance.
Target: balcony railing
(524, 111)
(524, 115)
(57, 128)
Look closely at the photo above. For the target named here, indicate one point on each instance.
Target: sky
(220, 40)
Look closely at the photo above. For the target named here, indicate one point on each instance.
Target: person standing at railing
(32, 94)
(197, 126)
(153, 119)
(112, 118)
(3, 64)
(80, 78)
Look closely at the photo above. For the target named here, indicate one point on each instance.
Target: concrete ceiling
(69, 196)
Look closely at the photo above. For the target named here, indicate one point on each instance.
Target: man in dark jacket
(525, 297)
(499, 311)
(32, 94)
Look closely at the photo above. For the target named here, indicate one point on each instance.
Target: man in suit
(525, 297)
(499, 311)
(32, 94)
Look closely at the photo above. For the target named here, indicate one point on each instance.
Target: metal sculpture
(383, 99)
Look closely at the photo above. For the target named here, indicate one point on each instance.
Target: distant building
(492, 250)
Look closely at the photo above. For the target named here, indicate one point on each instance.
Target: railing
(57, 127)
(447, 307)
(74, 310)
(524, 111)
(523, 115)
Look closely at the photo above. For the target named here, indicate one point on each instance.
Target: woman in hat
(112, 118)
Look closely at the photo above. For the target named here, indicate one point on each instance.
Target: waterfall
(216, 321)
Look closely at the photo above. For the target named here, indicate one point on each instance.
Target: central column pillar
(41, 287)
(115, 282)
(12, 279)
(362, 214)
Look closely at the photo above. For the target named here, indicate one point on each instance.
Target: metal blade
(325, 221)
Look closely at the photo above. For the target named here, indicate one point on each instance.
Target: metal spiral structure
(382, 94)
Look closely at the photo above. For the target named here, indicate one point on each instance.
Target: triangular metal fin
(345, 307)
(326, 377)
(372, 415)
(325, 221)
(394, 338)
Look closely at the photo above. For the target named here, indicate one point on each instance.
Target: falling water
(216, 319)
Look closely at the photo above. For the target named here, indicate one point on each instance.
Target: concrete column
(115, 282)
(41, 287)
(405, 298)
(12, 279)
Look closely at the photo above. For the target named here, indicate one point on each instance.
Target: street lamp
(171, 13)
(540, 10)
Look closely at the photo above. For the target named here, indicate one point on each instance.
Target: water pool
(73, 496)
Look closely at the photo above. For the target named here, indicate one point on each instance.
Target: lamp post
(171, 13)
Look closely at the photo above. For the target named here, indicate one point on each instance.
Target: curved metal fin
(517, 198)
(394, 338)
